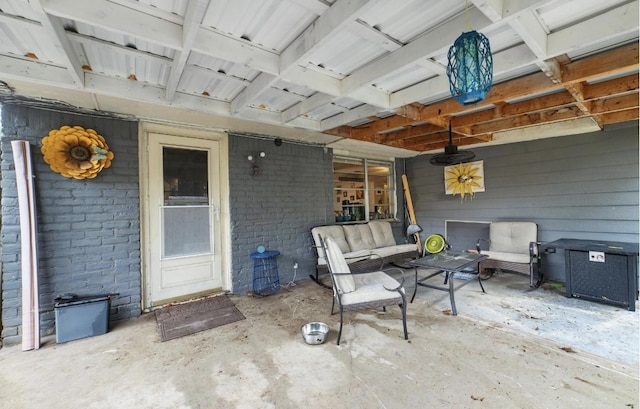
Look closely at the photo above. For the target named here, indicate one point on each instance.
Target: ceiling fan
(451, 155)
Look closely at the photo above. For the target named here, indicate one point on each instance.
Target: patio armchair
(354, 291)
(513, 246)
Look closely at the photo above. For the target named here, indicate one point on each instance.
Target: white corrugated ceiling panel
(324, 112)
(177, 7)
(223, 80)
(20, 8)
(343, 52)
(404, 78)
(404, 21)
(347, 102)
(560, 14)
(118, 62)
(223, 66)
(276, 100)
(21, 38)
(197, 80)
(272, 24)
(294, 89)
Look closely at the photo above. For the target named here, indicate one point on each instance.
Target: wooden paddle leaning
(412, 215)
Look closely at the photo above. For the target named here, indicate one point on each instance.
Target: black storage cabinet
(81, 316)
(601, 271)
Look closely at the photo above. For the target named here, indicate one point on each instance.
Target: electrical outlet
(295, 265)
(596, 256)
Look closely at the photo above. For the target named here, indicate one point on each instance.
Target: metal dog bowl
(315, 333)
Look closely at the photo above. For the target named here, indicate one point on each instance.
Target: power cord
(295, 271)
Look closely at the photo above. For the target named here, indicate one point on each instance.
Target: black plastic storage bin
(81, 316)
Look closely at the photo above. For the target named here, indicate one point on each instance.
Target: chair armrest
(401, 279)
(534, 249)
(478, 244)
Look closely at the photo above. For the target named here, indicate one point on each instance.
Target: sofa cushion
(359, 255)
(393, 250)
(339, 267)
(382, 233)
(334, 232)
(359, 237)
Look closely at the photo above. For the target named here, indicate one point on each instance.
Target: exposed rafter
(368, 70)
(567, 97)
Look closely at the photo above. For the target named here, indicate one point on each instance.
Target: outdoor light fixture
(470, 68)
(255, 169)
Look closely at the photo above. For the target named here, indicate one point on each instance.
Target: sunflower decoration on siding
(75, 152)
(464, 179)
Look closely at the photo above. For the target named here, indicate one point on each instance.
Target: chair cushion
(371, 287)
(382, 233)
(359, 237)
(338, 265)
(510, 257)
(512, 237)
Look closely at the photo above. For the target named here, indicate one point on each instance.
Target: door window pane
(186, 230)
(185, 175)
(186, 213)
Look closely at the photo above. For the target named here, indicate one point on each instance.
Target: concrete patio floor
(508, 348)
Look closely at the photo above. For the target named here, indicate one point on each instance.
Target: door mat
(184, 319)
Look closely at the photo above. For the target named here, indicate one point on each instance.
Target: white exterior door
(184, 219)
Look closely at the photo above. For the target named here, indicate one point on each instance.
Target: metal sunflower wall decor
(75, 152)
(464, 179)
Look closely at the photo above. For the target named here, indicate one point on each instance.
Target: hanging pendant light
(470, 68)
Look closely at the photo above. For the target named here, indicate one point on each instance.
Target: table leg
(449, 276)
(415, 288)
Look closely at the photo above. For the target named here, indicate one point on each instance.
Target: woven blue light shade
(470, 68)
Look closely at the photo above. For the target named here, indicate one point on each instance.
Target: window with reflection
(364, 189)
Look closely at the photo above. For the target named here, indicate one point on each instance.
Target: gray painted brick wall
(88, 230)
(279, 207)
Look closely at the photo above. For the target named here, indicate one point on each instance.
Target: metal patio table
(450, 262)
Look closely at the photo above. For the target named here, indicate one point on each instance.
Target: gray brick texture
(88, 230)
(277, 208)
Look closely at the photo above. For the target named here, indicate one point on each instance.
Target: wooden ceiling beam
(342, 131)
(618, 60)
(381, 125)
(614, 86)
(419, 131)
(619, 116)
(572, 97)
(522, 121)
(531, 84)
(589, 95)
(555, 100)
(461, 142)
(614, 104)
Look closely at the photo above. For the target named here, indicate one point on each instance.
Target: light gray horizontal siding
(579, 186)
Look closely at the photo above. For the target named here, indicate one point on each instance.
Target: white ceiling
(298, 69)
